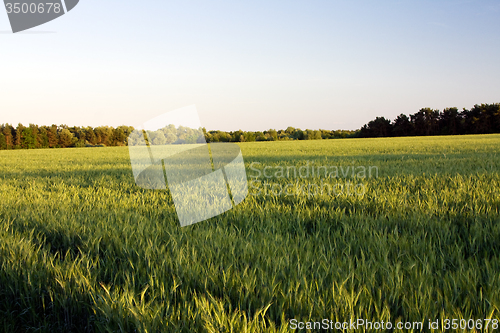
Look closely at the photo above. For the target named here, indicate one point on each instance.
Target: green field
(83, 249)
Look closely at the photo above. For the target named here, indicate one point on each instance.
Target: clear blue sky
(251, 65)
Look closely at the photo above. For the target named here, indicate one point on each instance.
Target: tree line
(291, 133)
(63, 136)
(481, 119)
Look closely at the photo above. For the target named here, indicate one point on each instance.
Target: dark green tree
(380, 127)
(450, 122)
(426, 122)
(18, 136)
(53, 136)
(272, 134)
(90, 136)
(9, 132)
(237, 136)
(42, 138)
(482, 119)
(402, 126)
(251, 136)
(66, 138)
(119, 137)
(3, 143)
(29, 137)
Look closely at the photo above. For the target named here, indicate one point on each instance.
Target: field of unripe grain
(83, 249)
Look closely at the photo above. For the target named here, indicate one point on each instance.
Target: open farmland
(83, 249)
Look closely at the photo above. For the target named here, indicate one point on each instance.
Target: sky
(250, 65)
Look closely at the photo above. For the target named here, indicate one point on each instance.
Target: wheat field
(83, 249)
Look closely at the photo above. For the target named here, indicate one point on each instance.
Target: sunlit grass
(82, 248)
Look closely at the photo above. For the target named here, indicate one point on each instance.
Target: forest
(481, 119)
(62, 136)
